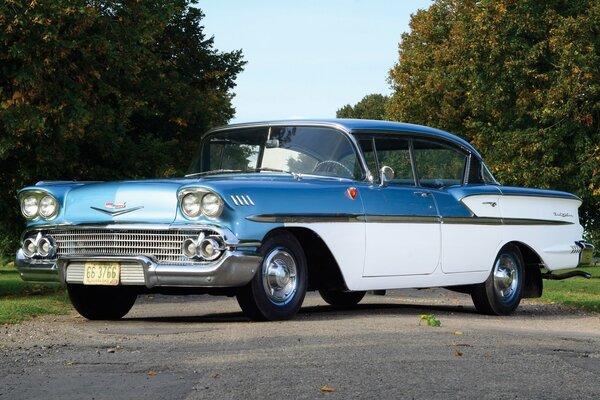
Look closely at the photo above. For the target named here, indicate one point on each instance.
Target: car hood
(156, 201)
(126, 201)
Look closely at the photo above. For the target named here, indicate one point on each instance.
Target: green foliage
(519, 79)
(431, 320)
(100, 90)
(371, 106)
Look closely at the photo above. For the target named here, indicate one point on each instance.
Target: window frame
(410, 138)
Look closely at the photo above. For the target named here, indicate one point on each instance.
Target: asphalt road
(203, 348)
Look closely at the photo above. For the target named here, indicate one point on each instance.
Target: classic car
(269, 211)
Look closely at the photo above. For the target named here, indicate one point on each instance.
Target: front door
(403, 229)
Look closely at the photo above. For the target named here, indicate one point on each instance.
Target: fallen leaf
(327, 389)
(431, 320)
(152, 373)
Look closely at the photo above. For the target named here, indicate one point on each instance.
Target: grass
(578, 292)
(20, 301)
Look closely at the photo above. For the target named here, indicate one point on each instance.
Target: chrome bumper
(586, 254)
(234, 269)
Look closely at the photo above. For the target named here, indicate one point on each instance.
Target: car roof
(360, 125)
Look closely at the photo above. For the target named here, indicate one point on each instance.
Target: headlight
(211, 205)
(29, 207)
(48, 207)
(190, 204)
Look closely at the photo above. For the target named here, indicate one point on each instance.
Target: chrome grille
(162, 245)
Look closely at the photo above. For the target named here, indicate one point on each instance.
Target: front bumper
(233, 269)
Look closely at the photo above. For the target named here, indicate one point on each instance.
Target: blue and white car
(271, 210)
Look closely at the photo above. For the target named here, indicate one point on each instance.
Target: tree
(371, 106)
(97, 90)
(519, 79)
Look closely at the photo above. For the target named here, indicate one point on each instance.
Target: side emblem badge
(351, 192)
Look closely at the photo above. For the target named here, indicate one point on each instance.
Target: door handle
(422, 194)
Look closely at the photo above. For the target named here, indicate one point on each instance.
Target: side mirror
(272, 144)
(386, 174)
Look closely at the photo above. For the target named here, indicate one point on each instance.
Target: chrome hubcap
(506, 278)
(279, 276)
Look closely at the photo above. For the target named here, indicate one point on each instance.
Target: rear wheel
(342, 299)
(102, 302)
(502, 291)
(277, 290)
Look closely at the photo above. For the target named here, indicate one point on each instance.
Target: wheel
(342, 299)
(330, 166)
(102, 302)
(277, 290)
(501, 293)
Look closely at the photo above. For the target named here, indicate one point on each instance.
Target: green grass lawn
(578, 292)
(20, 300)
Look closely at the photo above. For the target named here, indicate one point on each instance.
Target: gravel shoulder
(202, 347)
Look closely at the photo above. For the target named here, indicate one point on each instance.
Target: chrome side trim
(402, 219)
(568, 196)
(500, 221)
(305, 218)
(399, 219)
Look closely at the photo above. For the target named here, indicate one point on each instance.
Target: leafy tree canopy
(518, 78)
(97, 90)
(372, 106)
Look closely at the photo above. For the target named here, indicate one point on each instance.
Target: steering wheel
(332, 165)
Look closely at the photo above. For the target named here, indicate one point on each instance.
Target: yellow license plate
(101, 273)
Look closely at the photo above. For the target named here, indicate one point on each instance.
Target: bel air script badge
(115, 209)
(562, 214)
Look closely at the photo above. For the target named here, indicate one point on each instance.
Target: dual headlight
(197, 202)
(38, 204)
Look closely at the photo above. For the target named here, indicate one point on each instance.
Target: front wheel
(501, 293)
(102, 302)
(277, 290)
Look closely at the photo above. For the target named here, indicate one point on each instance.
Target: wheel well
(323, 269)
(533, 276)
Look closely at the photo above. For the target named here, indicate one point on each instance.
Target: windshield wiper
(214, 172)
(267, 169)
(235, 171)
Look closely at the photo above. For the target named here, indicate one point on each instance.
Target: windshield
(298, 150)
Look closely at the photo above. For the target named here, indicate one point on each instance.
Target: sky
(308, 58)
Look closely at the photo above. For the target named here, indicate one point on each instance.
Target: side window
(479, 174)
(438, 165)
(391, 152)
(395, 153)
(366, 145)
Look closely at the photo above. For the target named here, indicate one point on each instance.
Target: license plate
(101, 273)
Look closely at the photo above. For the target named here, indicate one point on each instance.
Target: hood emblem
(116, 206)
(116, 209)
